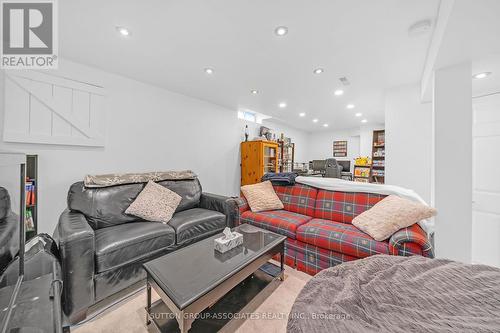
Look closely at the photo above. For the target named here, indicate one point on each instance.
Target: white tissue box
(223, 245)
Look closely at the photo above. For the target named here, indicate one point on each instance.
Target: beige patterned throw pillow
(155, 203)
(261, 197)
(390, 215)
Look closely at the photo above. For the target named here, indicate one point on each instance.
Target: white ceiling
(472, 35)
(173, 41)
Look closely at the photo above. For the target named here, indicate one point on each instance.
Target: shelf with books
(377, 173)
(31, 222)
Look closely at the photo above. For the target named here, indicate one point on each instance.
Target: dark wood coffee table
(195, 281)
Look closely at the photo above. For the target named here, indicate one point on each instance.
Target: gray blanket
(399, 294)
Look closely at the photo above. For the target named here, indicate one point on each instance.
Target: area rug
(271, 316)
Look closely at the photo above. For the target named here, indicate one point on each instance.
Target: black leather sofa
(9, 230)
(102, 248)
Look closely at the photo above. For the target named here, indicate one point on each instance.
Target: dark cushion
(282, 222)
(130, 242)
(4, 203)
(196, 223)
(340, 237)
(105, 207)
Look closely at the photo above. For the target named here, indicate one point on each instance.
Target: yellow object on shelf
(362, 161)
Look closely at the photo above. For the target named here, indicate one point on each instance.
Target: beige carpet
(129, 315)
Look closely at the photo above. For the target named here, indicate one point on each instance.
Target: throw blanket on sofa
(340, 185)
(280, 178)
(399, 294)
(113, 179)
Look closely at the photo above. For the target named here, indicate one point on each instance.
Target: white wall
(148, 128)
(366, 138)
(452, 161)
(408, 124)
(321, 144)
(300, 138)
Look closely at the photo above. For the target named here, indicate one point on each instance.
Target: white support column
(452, 161)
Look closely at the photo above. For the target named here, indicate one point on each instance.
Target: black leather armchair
(9, 230)
(102, 248)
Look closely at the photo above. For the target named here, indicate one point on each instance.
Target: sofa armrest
(242, 206)
(410, 241)
(221, 204)
(76, 243)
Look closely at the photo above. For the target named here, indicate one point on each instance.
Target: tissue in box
(222, 245)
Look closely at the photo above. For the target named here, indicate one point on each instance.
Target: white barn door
(486, 181)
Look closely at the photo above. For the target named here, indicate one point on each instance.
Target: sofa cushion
(280, 221)
(105, 207)
(196, 223)
(298, 198)
(344, 206)
(155, 203)
(261, 197)
(130, 242)
(340, 237)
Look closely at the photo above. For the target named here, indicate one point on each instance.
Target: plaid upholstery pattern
(410, 241)
(344, 206)
(241, 207)
(280, 221)
(298, 198)
(340, 237)
(312, 259)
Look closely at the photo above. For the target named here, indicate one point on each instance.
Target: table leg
(282, 262)
(148, 305)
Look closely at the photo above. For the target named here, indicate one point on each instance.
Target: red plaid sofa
(320, 234)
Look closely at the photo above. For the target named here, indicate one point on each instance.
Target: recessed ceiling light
(209, 70)
(282, 105)
(364, 121)
(302, 114)
(318, 71)
(350, 106)
(281, 31)
(315, 120)
(254, 92)
(481, 75)
(123, 31)
(359, 114)
(325, 125)
(338, 92)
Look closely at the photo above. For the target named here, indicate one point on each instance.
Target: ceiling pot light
(350, 106)
(364, 121)
(359, 114)
(302, 114)
(123, 31)
(318, 71)
(209, 71)
(325, 125)
(281, 31)
(481, 75)
(282, 105)
(338, 92)
(254, 92)
(419, 28)
(315, 120)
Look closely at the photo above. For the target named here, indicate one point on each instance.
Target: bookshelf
(378, 157)
(257, 159)
(286, 153)
(31, 196)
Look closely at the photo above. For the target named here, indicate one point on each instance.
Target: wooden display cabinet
(257, 159)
